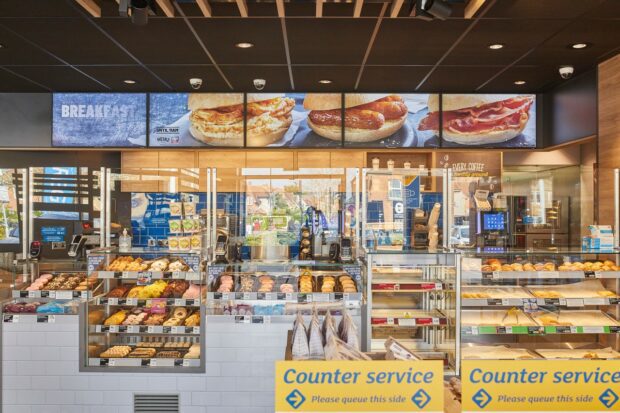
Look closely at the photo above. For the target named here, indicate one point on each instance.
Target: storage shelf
(524, 302)
(154, 275)
(140, 329)
(137, 362)
(520, 275)
(538, 330)
(379, 287)
(142, 302)
(55, 294)
(287, 297)
(408, 322)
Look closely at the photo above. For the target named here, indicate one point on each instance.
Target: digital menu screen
(99, 119)
(196, 119)
(384, 120)
(487, 121)
(294, 120)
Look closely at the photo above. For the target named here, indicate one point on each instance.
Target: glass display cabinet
(545, 304)
(411, 297)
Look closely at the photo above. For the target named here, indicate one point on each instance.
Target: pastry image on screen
(384, 120)
(479, 120)
(196, 119)
(294, 120)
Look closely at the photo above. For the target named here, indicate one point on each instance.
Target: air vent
(155, 403)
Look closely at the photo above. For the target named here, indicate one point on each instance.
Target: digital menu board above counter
(196, 119)
(487, 121)
(99, 120)
(294, 120)
(386, 120)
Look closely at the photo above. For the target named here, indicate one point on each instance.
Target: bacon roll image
(478, 119)
(367, 117)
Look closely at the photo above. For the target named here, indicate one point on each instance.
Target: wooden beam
(472, 8)
(167, 7)
(357, 10)
(243, 8)
(319, 8)
(396, 6)
(91, 7)
(205, 7)
(280, 5)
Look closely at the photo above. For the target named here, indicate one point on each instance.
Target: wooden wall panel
(348, 159)
(131, 163)
(608, 136)
(270, 159)
(313, 159)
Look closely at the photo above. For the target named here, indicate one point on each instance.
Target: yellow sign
(541, 385)
(359, 386)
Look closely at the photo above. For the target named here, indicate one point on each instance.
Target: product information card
(541, 385)
(359, 386)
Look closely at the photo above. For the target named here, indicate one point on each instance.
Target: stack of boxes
(601, 238)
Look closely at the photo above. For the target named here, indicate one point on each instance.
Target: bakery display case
(411, 297)
(42, 291)
(263, 292)
(540, 304)
(150, 315)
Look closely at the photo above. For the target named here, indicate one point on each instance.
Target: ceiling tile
(413, 41)
(89, 46)
(17, 51)
(540, 9)
(61, 78)
(609, 9)
(307, 78)
(536, 77)
(224, 9)
(178, 77)
(602, 34)
(391, 78)
(161, 41)
(12, 83)
(328, 41)
(37, 8)
(462, 79)
(221, 35)
(518, 36)
(114, 76)
(242, 77)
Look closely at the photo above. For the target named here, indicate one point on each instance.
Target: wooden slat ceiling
(360, 45)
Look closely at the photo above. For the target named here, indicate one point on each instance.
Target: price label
(52, 294)
(435, 321)
(573, 330)
(505, 302)
(562, 301)
(438, 286)
(495, 275)
(126, 275)
(132, 301)
(508, 329)
(195, 330)
(345, 296)
(550, 274)
(113, 329)
(32, 294)
(64, 295)
(177, 275)
(112, 363)
(225, 296)
(177, 330)
(320, 297)
(574, 302)
(178, 302)
(289, 296)
(185, 363)
(153, 362)
(150, 329)
(84, 295)
(271, 296)
(390, 320)
(246, 296)
(133, 329)
(406, 322)
(112, 301)
(598, 274)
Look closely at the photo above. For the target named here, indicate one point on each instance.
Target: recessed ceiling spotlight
(578, 46)
(1, 46)
(325, 81)
(244, 45)
(129, 81)
(520, 82)
(496, 46)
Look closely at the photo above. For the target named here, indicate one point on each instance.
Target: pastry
(266, 284)
(143, 353)
(287, 288)
(136, 317)
(247, 284)
(193, 320)
(159, 265)
(153, 344)
(193, 292)
(226, 284)
(175, 289)
(168, 354)
(116, 352)
(194, 352)
(155, 320)
(116, 318)
(135, 291)
(177, 317)
(118, 292)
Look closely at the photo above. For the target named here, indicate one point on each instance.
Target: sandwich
(367, 117)
(217, 118)
(269, 117)
(478, 119)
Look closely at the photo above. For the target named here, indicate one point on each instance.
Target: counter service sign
(99, 120)
(541, 386)
(359, 386)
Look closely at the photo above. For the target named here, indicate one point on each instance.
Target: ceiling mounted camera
(195, 83)
(566, 72)
(260, 84)
(432, 9)
(138, 10)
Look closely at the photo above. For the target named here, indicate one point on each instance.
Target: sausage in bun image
(367, 117)
(478, 119)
